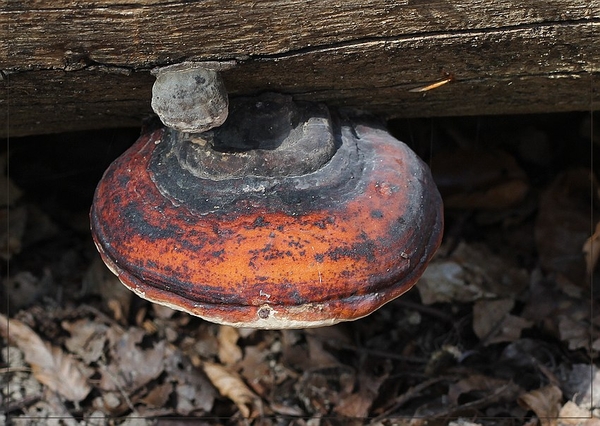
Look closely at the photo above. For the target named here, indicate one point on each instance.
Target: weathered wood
(67, 66)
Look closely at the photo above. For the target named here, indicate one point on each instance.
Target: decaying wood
(66, 66)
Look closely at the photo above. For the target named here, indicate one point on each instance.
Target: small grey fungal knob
(191, 97)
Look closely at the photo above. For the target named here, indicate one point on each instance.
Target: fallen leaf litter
(500, 330)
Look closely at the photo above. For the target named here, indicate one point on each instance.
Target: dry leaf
(194, 393)
(116, 297)
(163, 312)
(543, 300)
(445, 282)
(312, 354)
(322, 389)
(463, 422)
(573, 415)
(255, 368)
(229, 351)
(49, 364)
(158, 396)
(357, 405)
(472, 272)
(492, 322)
(87, 338)
(487, 315)
(132, 367)
(231, 386)
(475, 382)
(490, 272)
(576, 333)
(318, 355)
(544, 402)
(583, 386)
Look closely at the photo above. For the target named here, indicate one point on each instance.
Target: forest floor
(502, 329)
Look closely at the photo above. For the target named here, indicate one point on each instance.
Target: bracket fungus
(289, 215)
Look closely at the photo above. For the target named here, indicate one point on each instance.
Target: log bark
(67, 65)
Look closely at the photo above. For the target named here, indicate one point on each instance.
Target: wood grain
(68, 66)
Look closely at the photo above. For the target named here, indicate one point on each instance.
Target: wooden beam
(70, 67)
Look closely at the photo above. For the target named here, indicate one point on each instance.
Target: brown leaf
(463, 422)
(87, 338)
(492, 273)
(116, 297)
(133, 367)
(255, 368)
(193, 390)
(544, 402)
(487, 314)
(318, 355)
(573, 415)
(576, 333)
(446, 282)
(163, 312)
(231, 386)
(357, 405)
(492, 322)
(472, 272)
(229, 351)
(49, 364)
(321, 389)
(474, 382)
(158, 396)
(582, 385)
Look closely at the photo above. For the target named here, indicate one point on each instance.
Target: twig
(471, 405)
(117, 383)
(376, 352)
(428, 310)
(8, 370)
(54, 400)
(19, 405)
(414, 391)
(101, 316)
(408, 395)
